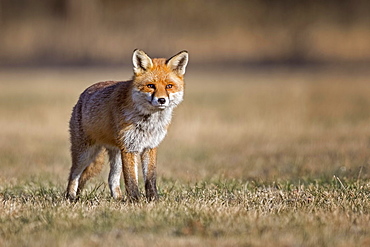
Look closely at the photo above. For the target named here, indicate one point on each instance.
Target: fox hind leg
(115, 162)
(92, 170)
(85, 164)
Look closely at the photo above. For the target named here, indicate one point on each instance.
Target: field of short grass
(253, 158)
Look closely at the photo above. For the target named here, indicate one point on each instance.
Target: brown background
(105, 32)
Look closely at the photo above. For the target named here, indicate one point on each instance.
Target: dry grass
(254, 157)
(222, 214)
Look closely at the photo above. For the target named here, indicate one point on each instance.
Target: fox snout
(161, 103)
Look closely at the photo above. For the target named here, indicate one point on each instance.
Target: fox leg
(80, 161)
(115, 162)
(130, 174)
(149, 162)
(91, 170)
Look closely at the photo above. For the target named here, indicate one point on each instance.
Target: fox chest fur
(146, 131)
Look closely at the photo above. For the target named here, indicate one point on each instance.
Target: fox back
(129, 119)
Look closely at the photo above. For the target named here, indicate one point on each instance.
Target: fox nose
(161, 101)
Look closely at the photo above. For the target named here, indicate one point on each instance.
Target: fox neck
(139, 113)
(146, 129)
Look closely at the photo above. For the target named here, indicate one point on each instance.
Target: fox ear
(178, 62)
(141, 61)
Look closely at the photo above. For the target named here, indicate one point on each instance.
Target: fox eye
(169, 86)
(150, 85)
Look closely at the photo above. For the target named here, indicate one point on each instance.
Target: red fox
(127, 120)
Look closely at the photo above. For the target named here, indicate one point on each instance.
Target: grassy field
(273, 157)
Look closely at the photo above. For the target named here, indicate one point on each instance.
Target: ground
(254, 157)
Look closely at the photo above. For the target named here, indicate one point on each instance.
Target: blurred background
(274, 90)
(105, 32)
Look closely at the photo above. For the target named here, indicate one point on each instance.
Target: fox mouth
(159, 107)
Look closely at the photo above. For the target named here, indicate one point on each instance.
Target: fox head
(158, 83)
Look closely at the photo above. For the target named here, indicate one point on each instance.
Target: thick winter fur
(127, 120)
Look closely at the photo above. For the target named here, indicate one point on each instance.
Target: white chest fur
(147, 131)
